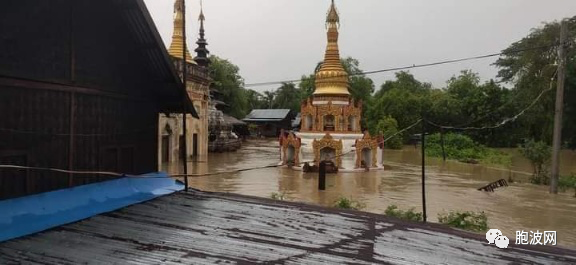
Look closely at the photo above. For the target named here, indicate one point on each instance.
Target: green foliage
(567, 182)
(409, 214)
(539, 154)
(227, 80)
(306, 86)
(471, 221)
(403, 99)
(255, 100)
(278, 196)
(530, 71)
(287, 97)
(346, 203)
(388, 127)
(462, 148)
(361, 87)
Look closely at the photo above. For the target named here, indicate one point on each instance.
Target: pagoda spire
(201, 52)
(332, 79)
(177, 44)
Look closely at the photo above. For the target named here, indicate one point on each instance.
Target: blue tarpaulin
(35, 213)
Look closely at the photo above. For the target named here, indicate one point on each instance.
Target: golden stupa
(330, 128)
(332, 79)
(177, 44)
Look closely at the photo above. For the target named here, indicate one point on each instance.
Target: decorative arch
(328, 141)
(325, 110)
(307, 110)
(354, 109)
(367, 142)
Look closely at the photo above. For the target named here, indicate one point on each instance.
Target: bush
(409, 214)
(345, 203)
(463, 148)
(388, 127)
(567, 182)
(278, 196)
(539, 154)
(471, 221)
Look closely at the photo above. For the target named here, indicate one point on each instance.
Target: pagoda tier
(330, 117)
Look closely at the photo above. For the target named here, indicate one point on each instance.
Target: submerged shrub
(410, 214)
(471, 221)
(539, 154)
(278, 196)
(346, 203)
(462, 148)
(567, 182)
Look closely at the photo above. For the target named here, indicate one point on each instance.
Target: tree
(539, 154)
(287, 97)
(361, 87)
(269, 99)
(403, 99)
(388, 127)
(228, 81)
(306, 86)
(255, 100)
(530, 64)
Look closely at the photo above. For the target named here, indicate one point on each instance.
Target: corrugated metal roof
(231, 120)
(267, 114)
(208, 228)
(142, 27)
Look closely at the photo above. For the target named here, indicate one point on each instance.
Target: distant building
(269, 122)
(198, 83)
(81, 87)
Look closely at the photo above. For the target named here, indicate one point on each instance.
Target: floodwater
(449, 186)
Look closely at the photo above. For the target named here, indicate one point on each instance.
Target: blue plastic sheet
(31, 214)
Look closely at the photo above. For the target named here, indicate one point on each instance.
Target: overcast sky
(274, 40)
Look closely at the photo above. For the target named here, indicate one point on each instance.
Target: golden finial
(332, 79)
(333, 18)
(175, 49)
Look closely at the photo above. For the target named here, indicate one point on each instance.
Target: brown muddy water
(449, 186)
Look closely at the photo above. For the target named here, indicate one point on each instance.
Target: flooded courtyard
(449, 186)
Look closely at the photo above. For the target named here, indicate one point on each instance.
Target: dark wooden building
(269, 122)
(81, 86)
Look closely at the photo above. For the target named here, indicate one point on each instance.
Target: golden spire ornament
(332, 79)
(177, 44)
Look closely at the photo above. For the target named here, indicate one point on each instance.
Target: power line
(116, 174)
(505, 121)
(416, 66)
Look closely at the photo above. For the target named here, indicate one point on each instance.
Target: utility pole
(423, 142)
(185, 98)
(557, 140)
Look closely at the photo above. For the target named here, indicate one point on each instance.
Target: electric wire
(504, 121)
(500, 124)
(417, 66)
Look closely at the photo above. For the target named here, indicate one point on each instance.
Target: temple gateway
(330, 127)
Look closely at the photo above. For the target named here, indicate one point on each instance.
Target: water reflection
(450, 186)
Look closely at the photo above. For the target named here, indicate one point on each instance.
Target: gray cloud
(272, 40)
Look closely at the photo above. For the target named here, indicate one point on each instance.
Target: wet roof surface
(208, 228)
(267, 114)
